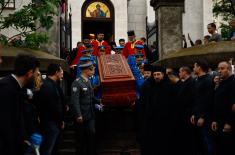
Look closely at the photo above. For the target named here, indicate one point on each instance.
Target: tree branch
(4, 6)
(24, 32)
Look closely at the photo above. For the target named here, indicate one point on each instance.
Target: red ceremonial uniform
(78, 56)
(96, 44)
(129, 48)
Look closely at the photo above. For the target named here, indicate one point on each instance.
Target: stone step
(69, 134)
(68, 144)
(119, 152)
(115, 135)
(71, 151)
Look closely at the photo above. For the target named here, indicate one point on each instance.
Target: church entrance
(98, 16)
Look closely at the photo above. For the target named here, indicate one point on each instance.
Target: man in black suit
(223, 114)
(11, 113)
(51, 108)
(203, 107)
(185, 99)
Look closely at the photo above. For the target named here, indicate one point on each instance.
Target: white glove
(99, 107)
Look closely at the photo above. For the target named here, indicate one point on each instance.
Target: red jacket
(96, 44)
(78, 56)
(129, 48)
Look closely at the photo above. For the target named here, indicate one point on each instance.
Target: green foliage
(34, 40)
(3, 40)
(35, 15)
(25, 18)
(225, 31)
(226, 10)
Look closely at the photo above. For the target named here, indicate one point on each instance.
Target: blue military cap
(85, 59)
(85, 65)
(139, 46)
(118, 47)
(85, 51)
(88, 45)
(102, 47)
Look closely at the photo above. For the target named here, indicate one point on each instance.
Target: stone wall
(196, 16)
(53, 45)
(18, 5)
(170, 28)
(137, 12)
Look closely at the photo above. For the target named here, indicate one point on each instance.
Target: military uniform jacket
(82, 99)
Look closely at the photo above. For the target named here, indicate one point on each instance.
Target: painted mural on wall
(98, 10)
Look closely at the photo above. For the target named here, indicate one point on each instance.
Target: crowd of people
(32, 110)
(213, 37)
(188, 113)
(178, 111)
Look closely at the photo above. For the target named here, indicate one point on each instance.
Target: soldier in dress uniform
(129, 48)
(83, 59)
(139, 59)
(132, 61)
(85, 50)
(80, 52)
(83, 106)
(118, 49)
(101, 50)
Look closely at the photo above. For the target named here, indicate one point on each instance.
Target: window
(9, 4)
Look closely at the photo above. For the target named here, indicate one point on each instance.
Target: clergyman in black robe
(157, 114)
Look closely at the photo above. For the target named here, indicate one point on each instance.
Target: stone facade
(137, 17)
(196, 16)
(18, 5)
(131, 15)
(169, 20)
(53, 46)
(121, 19)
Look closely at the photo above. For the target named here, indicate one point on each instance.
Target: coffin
(117, 81)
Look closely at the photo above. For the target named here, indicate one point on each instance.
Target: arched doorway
(98, 16)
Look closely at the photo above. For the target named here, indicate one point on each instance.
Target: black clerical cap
(100, 32)
(147, 67)
(131, 33)
(158, 69)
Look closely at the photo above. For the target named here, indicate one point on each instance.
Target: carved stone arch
(93, 22)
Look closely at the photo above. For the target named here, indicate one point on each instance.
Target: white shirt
(17, 80)
(86, 79)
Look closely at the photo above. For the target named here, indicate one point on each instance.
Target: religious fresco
(97, 10)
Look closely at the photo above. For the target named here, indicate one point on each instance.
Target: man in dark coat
(157, 104)
(51, 108)
(185, 99)
(223, 118)
(12, 133)
(202, 108)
